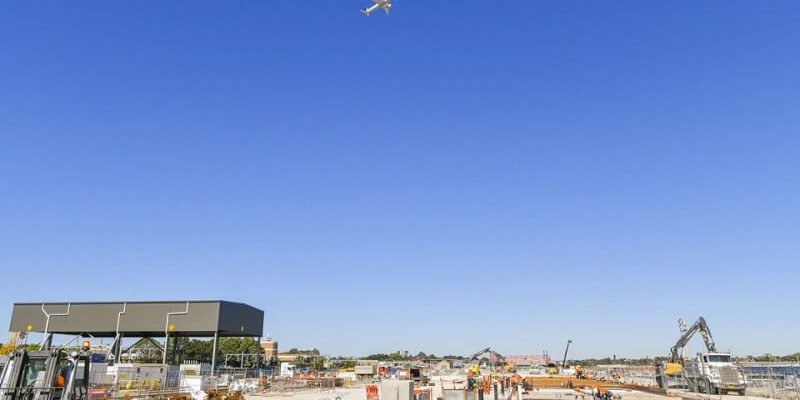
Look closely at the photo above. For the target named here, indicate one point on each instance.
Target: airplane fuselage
(384, 4)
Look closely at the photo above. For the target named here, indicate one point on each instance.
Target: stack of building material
(397, 390)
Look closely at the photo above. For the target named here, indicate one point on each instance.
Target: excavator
(710, 372)
(46, 375)
(494, 357)
(490, 352)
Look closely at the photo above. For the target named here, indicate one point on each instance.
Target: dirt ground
(561, 382)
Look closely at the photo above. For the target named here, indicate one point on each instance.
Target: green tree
(244, 345)
(305, 352)
(198, 350)
(386, 357)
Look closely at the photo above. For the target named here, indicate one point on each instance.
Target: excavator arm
(699, 326)
(487, 350)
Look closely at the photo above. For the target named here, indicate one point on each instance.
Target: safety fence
(628, 374)
(773, 380)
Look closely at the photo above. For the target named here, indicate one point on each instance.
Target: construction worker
(602, 392)
(470, 381)
(516, 387)
(495, 379)
(61, 378)
(480, 389)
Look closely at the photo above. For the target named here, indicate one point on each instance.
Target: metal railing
(36, 393)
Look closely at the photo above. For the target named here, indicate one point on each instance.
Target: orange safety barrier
(372, 392)
(98, 394)
(422, 394)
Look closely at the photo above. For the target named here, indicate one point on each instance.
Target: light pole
(564, 363)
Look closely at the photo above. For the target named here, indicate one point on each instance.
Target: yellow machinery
(475, 369)
(552, 369)
(673, 369)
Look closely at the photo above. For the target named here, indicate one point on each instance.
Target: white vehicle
(709, 372)
(287, 370)
(379, 4)
(714, 373)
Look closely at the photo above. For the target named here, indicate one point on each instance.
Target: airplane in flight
(384, 4)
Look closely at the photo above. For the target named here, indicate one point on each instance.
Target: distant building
(287, 357)
(529, 359)
(14, 338)
(270, 348)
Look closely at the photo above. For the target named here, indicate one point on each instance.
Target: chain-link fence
(779, 381)
(312, 383)
(643, 375)
(773, 380)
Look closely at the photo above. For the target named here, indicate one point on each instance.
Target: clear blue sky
(452, 176)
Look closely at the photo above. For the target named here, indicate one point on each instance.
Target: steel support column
(214, 354)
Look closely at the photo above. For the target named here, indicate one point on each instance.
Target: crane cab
(45, 375)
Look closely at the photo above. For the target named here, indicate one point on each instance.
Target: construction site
(139, 350)
(400, 200)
